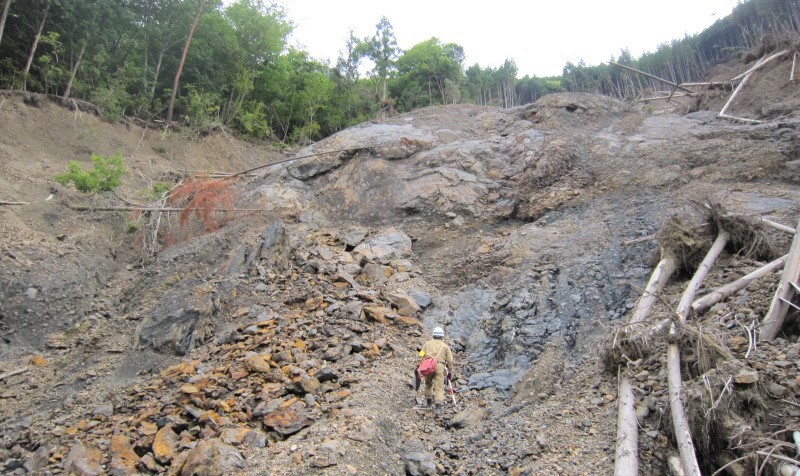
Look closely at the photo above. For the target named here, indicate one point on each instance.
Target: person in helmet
(434, 383)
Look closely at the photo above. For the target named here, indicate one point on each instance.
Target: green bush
(105, 175)
(159, 188)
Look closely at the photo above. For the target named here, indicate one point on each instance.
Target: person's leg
(438, 385)
(429, 384)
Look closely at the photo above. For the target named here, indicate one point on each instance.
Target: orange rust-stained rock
(181, 369)
(165, 444)
(287, 422)
(257, 363)
(407, 321)
(189, 388)
(378, 313)
(290, 402)
(314, 303)
(37, 361)
(340, 395)
(213, 419)
(233, 435)
(147, 428)
(238, 374)
(123, 458)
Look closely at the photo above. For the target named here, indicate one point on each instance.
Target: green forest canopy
(233, 67)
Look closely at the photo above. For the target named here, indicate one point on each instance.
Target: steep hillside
(284, 342)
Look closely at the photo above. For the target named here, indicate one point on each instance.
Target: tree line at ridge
(231, 66)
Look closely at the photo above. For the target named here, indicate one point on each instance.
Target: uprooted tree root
(700, 349)
(684, 244)
(749, 236)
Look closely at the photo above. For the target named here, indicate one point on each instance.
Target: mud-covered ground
(283, 342)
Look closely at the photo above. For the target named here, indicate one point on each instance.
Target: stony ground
(283, 342)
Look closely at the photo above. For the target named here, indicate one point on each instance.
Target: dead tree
(626, 461)
(200, 8)
(718, 295)
(683, 433)
(3, 16)
(655, 285)
(34, 46)
(788, 286)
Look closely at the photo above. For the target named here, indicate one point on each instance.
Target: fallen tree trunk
(658, 279)
(778, 226)
(680, 424)
(710, 299)
(684, 306)
(759, 64)
(674, 85)
(80, 208)
(11, 373)
(773, 321)
(13, 203)
(289, 159)
(626, 462)
(746, 75)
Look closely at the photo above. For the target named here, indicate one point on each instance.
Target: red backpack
(427, 367)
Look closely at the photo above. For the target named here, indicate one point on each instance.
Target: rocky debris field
(284, 341)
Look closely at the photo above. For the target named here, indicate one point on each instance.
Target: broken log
(746, 75)
(778, 226)
(773, 321)
(626, 461)
(760, 64)
(80, 208)
(658, 98)
(685, 305)
(13, 203)
(680, 424)
(674, 85)
(739, 119)
(655, 285)
(712, 298)
(290, 159)
(11, 373)
(733, 96)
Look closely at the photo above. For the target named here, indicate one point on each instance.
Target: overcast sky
(540, 35)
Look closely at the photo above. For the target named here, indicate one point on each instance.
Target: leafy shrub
(201, 110)
(252, 120)
(105, 175)
(159, 188)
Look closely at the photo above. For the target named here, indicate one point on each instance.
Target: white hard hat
(438, 332)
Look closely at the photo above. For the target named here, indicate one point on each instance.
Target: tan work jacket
(440, 351)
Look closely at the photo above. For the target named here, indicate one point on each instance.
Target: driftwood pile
(679, 250)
